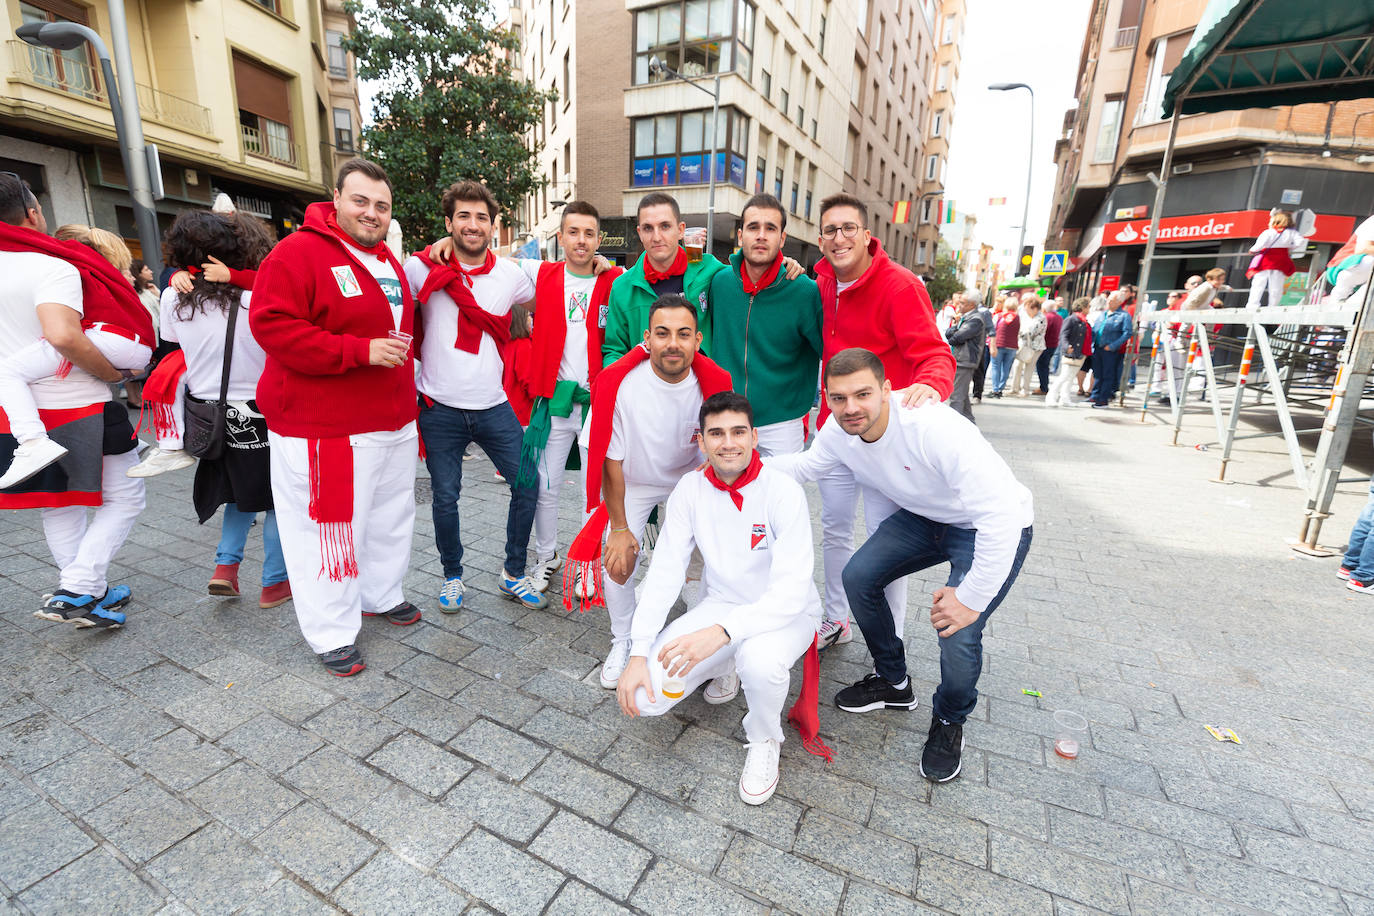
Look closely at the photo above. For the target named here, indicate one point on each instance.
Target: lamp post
(66, 36)
(1030, 163)
(657, 66)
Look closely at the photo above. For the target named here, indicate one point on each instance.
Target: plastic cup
(1070, 731)
(694, 240)
(674, 687)
(402, 336)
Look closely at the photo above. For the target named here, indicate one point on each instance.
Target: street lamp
(67, 36)
(1030, 162)
(658, 68)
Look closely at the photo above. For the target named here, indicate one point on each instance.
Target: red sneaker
(275, 595)
(225, 581)
(1342, 573)
(1356, 586)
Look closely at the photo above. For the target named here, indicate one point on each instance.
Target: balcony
(274, 143)
(71, 73)
(1125, 38)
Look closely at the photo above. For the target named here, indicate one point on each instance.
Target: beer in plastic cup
(402, 336)
(1070, 729)
(694, 240)
(673, 687)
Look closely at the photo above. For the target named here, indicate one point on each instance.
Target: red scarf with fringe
(804, 713)
(160, 392)
(331, 505)
(473, 320)
(551, 325)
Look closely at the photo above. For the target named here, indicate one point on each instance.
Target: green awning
(1263, 53)
(1020, 283)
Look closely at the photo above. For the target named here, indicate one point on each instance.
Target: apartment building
(253, 98)
(1230, 168)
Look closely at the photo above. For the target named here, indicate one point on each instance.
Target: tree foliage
(449, 104)
(943, 281)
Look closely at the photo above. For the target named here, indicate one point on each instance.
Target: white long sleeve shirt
(759, 557)
(934, 463)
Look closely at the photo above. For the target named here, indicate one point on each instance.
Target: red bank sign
(1236, 224)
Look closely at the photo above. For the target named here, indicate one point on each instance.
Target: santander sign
(1243, 224)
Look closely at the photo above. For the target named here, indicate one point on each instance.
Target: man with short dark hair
(958, 502)
(768, 328)
(465, 301)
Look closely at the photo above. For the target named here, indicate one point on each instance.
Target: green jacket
(770, 343)
(627, 314)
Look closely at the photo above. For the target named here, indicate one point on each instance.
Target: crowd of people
(305, 378)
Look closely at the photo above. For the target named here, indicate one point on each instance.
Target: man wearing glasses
(868, 301)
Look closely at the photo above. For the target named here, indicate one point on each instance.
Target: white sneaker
(722, 689)
(584, 587)
(834, 632)
(29, 458)
(615, 664)
(760, 777)
(159, 461)
(540, 572)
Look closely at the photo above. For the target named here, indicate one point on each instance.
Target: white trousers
(563, 433)
(1062, 382)
(1021, 372)
(82, 542)
(763, 663)
(839, 501)
(1271, 280)
(40, 360)
(329, 612)
(620, 599)
(785, 438)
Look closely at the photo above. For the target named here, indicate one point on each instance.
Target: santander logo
(1128, 235)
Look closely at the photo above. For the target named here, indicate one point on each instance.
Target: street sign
(1110, 284)
(1054, 263)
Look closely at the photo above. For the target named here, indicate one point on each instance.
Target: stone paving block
(420, 765)
(669, 889)
(441, 678)
(709, 750)
(144, 821)
(22, 861)
(931, 829)
(1148, 897)
(1023, 780)
(96, 882)
(577, 899)
(499, 806)
(317, 846)
(214, 871)
(244, 797)
(499, 748)
(389, 885)
(15, 706)
(1186, 825)
(552, 653)
(501, 875)
(657, 731)
(1106, 770)
(1140, 852)
(436, 719)
(1258, 887)
(357, 730)
(437, 642)
(1060, 873)
(37, 741)
(336, 780)
(1335, 829)
(14, 795)
(778, 875)
(271, 743)
(381, 649)
(239, 668)
(290, 697)
(86, 779)
(287, 898)
(668, 830)
(864, 900)
(811, 785)
(180, 759)
(1304, 858)
(1358, 906)
(717, 797)
(490, 662)
(1163, 755)
(588, 791)
(1309, 788)
(582, 849)
(496, 633)
(571, 734)
(413, 826)
(490, 699)
(1238, 804)
(850, 848)
(125, 725)
(212, 711)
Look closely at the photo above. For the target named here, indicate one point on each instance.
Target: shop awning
(1262, 53)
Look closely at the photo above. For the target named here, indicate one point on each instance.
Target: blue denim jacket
(1114, 331)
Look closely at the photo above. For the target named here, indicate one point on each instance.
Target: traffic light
(1023, 268)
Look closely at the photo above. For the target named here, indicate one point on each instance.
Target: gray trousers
(959, 397)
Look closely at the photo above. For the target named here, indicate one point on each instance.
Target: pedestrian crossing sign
(1054, 263)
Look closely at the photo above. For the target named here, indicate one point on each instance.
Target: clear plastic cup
(694, 240)
(402, 336)
(1070, 731)
(674, 687)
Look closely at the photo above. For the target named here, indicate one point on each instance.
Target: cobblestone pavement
(201, 760)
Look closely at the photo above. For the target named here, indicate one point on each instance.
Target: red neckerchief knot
(378, 249)
(753, 289)
(678, 267)
(750, 474)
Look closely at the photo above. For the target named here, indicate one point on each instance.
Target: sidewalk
(202, 760)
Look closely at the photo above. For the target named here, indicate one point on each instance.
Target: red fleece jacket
(318, 382)
(888, 312)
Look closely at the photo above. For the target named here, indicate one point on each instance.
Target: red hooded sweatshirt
(318, 382)
(888, 312)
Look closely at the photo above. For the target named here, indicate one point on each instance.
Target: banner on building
(901, 212)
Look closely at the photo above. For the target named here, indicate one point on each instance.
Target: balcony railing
(1125, 38)
(73, 75)
(269, 146)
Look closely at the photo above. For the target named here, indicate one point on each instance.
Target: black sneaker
(943, 756)
(345, 661)
(403, 614)
(875, 692)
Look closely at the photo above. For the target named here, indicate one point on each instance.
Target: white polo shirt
(30, 280)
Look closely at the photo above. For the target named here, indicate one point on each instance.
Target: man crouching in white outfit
(761, 608)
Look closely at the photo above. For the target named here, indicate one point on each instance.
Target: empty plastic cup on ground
(1070, 731)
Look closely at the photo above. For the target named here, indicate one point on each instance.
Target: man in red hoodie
(870, 302)
(332, 313)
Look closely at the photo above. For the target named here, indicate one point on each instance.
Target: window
(675, 148)
(796, 190)
(932, 167)
(1108, 130)
(338, 57)
(1127, 25)
(820, 37)
(863, 17)
(807, 212)
(942, 81)
(948, 34)
(801, 117)
(814, 128)
(264, 104)
(71, 71)
(760, 169)
(856, 87)
(783, 100)
(268, 5)
(343, 130)
(694, 37)
(567, 78)
(766, 84)
(937, 123)
(925, 209)
(777, 182)
(1164, 57)
(921, 251)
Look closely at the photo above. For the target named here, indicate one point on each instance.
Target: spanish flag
(901, 212)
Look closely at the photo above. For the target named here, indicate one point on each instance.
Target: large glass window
(695, 37)
(338, 57)
(1107, 131)
(676, 148)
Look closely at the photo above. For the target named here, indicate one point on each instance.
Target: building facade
(1230, 168)
(253, 98)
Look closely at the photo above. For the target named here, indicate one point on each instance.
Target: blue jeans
(1054, 360)
(233, 536)
(1000, 367)
(1359, 552)
(1106, 374)
(447, 432)
(903, 544)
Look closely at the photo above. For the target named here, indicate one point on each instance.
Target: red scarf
(473, 320)
(551, 326)
(771, 274)
(160, 392)
(331, 505)
(750, 474)
(804, 713)
(677, 268)
(330, 220)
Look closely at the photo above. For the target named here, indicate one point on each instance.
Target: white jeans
(83, 545)
(563, 433)
(40, 360)
(1062, 383)
(839, 502)
(1272, 280)
(763, 663)
(329, 612)
(785, 438)
(620, 599)
(1021, 372)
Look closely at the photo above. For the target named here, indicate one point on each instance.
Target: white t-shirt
(454, 377)
(654, 432)
(842, 285)
(386, 278)
(201, 335)
(32, 279)
(1365, 232)
(577, 300)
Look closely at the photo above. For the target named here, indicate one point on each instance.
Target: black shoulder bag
(205, 420)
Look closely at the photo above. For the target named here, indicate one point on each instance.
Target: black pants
(980, 375)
